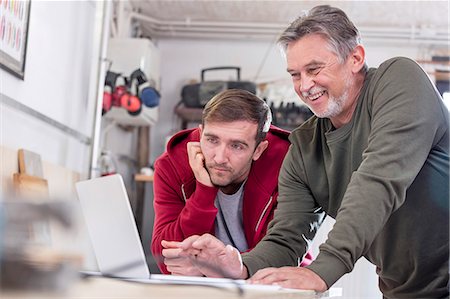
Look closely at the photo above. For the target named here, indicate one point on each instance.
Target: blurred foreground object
(29, 258)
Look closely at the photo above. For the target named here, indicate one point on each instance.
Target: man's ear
(260, 149)
(358, 58)
(200, 129)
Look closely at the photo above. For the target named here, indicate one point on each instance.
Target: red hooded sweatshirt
(185, 207)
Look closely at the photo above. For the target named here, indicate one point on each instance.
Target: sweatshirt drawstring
(182, 191)
(262, 214)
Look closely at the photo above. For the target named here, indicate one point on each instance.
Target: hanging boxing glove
(149, 96)
(110, 85)
(127, 99)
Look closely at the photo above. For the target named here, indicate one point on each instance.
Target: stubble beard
(220, 180)
(335, 105)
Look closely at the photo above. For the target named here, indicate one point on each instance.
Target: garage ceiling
(397, 20)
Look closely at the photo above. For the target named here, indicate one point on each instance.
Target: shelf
(143, 178)
(188, 114)
(435, 62)
(147, 117)
(441, 75)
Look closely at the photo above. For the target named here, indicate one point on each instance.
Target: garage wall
(61, 60)
(57, 83)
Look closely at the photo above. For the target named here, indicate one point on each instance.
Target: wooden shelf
(441, 75)
(439, 68)
(188, 114)
(143, 178)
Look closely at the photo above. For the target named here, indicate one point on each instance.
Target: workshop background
(69, 71)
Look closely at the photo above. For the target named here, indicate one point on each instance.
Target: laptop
(116, 242)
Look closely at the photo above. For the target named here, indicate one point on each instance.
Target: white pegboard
(147, 117)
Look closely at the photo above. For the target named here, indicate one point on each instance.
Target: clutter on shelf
(288, 115)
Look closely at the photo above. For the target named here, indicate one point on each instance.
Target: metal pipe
(190, 23)
(190, 28)
(101, 61)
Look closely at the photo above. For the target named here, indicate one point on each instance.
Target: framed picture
(14, 19)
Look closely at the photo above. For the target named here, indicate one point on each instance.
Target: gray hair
(329, 22)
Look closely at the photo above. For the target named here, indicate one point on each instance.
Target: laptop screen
(112, 227)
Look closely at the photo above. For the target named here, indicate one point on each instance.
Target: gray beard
(335, 106)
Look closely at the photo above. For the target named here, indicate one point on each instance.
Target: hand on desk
(290, 277)
(213, 259)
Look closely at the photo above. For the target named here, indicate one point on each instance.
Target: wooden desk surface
(98, 287)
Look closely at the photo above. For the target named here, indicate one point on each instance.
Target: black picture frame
(14, 21)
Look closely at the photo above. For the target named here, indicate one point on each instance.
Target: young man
(221, 178)
(375, 157)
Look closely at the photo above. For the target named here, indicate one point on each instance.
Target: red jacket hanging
(185, 207)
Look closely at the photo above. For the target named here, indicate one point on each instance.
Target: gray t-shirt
(229, 226)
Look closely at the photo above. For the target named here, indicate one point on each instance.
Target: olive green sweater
(384, 177)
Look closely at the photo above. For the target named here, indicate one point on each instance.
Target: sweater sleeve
(407, 121)
(175, 217)
(295, 221)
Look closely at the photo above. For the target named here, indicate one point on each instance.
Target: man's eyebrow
(210, 134)
(309, 64)
(231, 141)
(315, 62)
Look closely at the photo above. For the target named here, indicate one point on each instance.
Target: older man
(375, 157)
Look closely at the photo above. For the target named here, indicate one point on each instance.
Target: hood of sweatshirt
(278, 143)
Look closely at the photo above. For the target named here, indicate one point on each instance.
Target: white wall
(57, 83)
